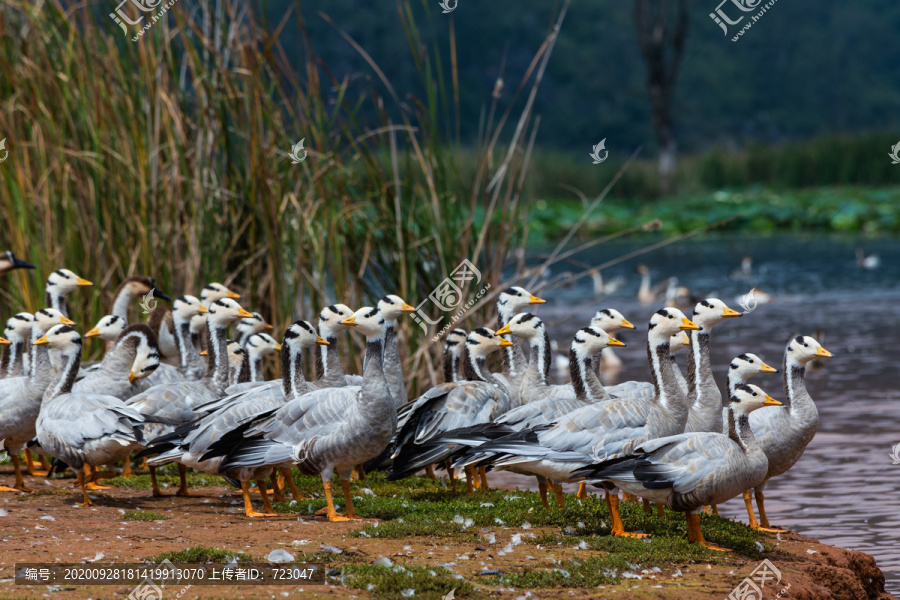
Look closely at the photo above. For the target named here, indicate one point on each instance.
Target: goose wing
(19, 408)
(642, 390)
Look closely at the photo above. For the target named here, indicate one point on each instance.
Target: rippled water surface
(844, 490)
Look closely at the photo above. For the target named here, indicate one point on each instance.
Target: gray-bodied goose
(704, 396)
(329, 372)
(9, 262)
(17, 332)
(327, 430)
(162, 322)
(176, 402)
(190, 442)
(478, 399)
(83, 429)
(784, 431)
(20, 397)
(453, 350)
(603, 429)
(189, 365)
(688, 471)
(509, 302)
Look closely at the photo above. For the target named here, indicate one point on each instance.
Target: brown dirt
(215, 519)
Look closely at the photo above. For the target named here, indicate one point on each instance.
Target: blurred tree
(662, 30)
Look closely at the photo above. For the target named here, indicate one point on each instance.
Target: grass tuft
(389, 583)
(143, 515)
(199, 554)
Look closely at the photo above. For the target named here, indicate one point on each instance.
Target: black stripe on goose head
(744, 388)
(704, 303)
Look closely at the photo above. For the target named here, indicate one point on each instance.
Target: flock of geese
(668, 441)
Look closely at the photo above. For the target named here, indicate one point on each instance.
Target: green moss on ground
(389, 583)
(143, 515)
(199, 554)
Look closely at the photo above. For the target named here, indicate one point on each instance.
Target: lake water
(844, 490)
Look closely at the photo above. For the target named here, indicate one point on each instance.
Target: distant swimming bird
(872, 261)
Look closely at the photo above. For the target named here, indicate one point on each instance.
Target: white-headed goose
(247, 327)
(688, 471)
(609, 320)
(9, 262)
(324, 431)
(509, 302)
(17, 332)
(82, 428)
(453, 350)
(133, 357)
(188, 366)
(20, 397)
(392, 307)
(784, 431)
(329, 372)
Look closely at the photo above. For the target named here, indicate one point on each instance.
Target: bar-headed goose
(190, 442)
(784, 431)
(133, 357)
(453, 350)
(82, 428)
(60, 284)
(189, 366)
(17, 332)
(688, 471)
(327, 430)
(479, 398)
(329, 372)
(603, 429)
(509, 302)
(20, 397)
(259, 346)
(9, 261)
(704, 396)
(609, 320)
(163, 323)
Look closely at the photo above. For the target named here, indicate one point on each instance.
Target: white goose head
(610, 320)
(392, 307)
(590, 340)
(513, 299)
(712, 311)
(679, 342)
(62, 337)
(524, 325)
(146, 359)
(746, 397)
(367, 321)
(18, 327)
(46, 318)
(187, 307)
(482, 341)
(262, 344)
(108, 328)
(216, 291)
(302, 334)
(331, 319)
(64, 281)
(803, 349)
(666, 322)
(253, 325)
(224, 311)
(746, 366)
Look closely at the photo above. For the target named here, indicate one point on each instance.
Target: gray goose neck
(120, 304)
(12, 362)
(472, 366)
(539, 364)
(374, 387)
(183, 344)
(57, 301)
(584, 380)
(739, 430)
(256, 373)
(699, 371)
(291, 372)
(451, 366)
(794, 385)
(63, 385)
(217, 355)
(662, 372)
(512, 358)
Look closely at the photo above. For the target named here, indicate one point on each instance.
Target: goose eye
(750, 361)
(754, 393)
(671, 317)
